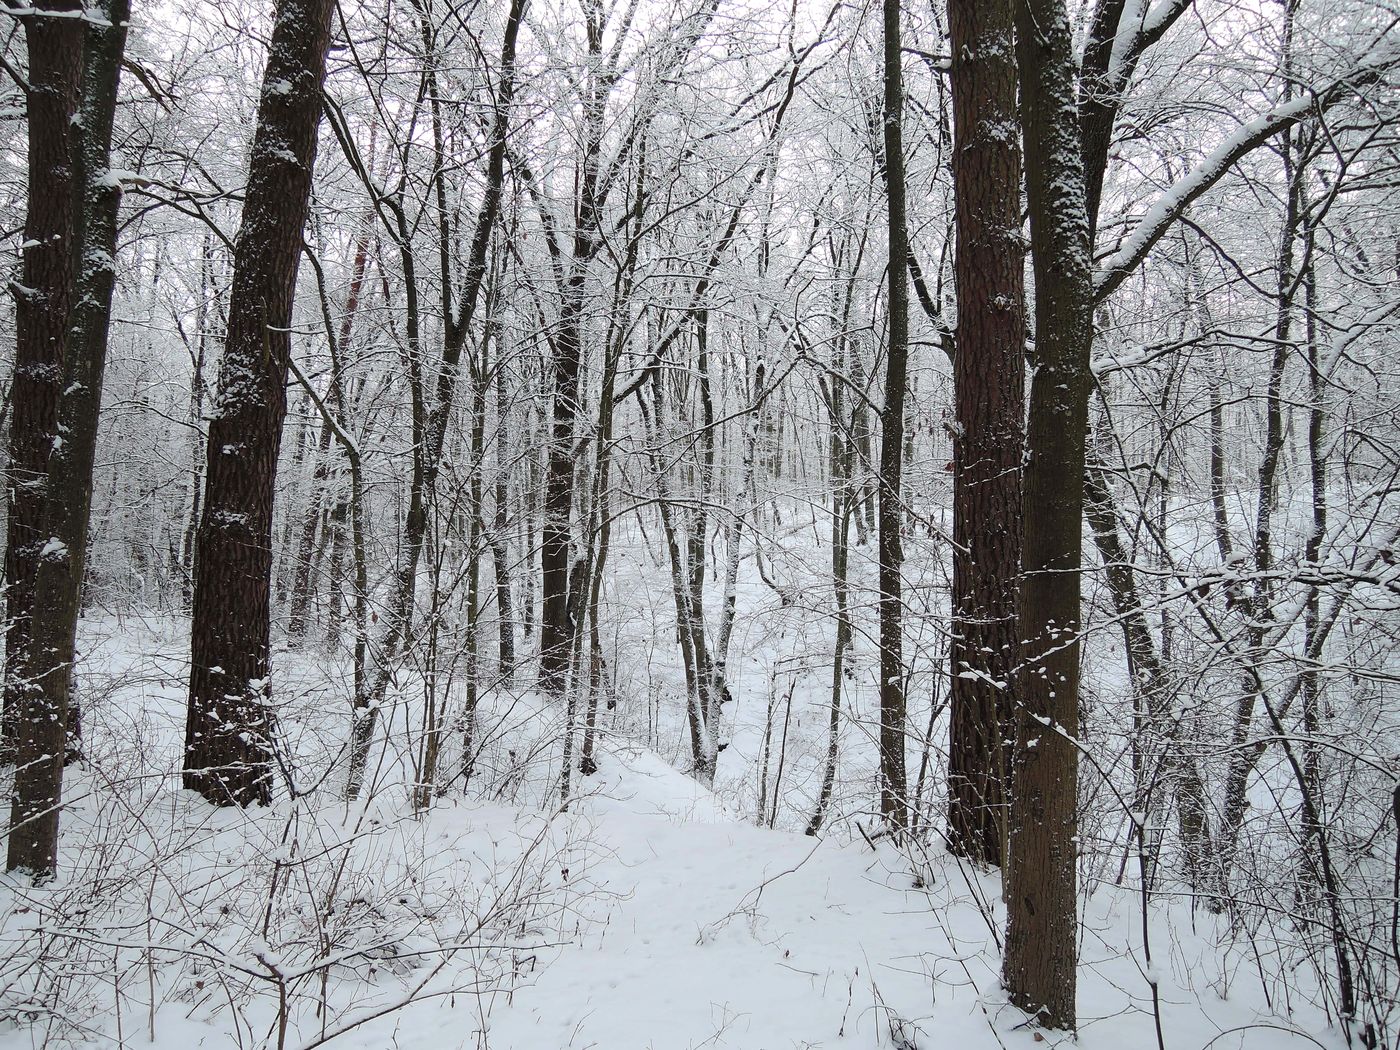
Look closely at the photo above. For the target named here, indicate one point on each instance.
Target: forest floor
(648, 916)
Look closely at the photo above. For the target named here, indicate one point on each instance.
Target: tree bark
(556, 533)
(893, 804)
(1039, 967)
(58, 582)
(989, 398)
(230, 725)
(43, 299)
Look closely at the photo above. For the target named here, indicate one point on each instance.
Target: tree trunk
(58, 583)
(556, 533)
(893, 804)
(989, 396)
(198, 389)
(1039, 968)
(1260, 601)
(704, 748)
(43, 299)
(500, 535)
(843, 503)
(229, 728)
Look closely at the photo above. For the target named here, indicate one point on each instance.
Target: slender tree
(229, 724)
(891, 517)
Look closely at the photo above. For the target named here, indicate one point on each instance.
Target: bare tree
(893, 671)
(1042, 927)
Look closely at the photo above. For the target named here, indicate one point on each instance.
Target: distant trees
(434, 400)
(230, 723)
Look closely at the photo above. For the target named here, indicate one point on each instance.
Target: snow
(1173, 201)
(115, 178)
(647, 914)
(54, 549)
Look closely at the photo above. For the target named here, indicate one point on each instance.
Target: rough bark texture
(43, 299)
(1039, 968)
(58, 581)
(891, 545)
(229, 726)
(989, 396)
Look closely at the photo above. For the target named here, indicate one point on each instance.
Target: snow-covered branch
(1173, 202)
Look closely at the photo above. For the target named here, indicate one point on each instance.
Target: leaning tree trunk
(229, 726)
(1152, 684)
(989, 397)
(1039, 967)
(893, 804)
(58, 582)
(42, 301)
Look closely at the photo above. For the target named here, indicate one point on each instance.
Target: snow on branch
(1177, 198)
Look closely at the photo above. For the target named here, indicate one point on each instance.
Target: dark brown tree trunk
(43, 715)
(989, 396)
(1039, 969)
(893, 804)
(556, 533)
(43, 299)
(229, 726)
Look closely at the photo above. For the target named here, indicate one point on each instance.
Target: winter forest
(749, 524)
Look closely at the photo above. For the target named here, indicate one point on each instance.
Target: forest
(749, 524)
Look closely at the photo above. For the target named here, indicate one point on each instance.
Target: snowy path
(680, 926)
(727, 935)
(716, 933)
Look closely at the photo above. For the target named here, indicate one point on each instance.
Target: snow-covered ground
(651, 913)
